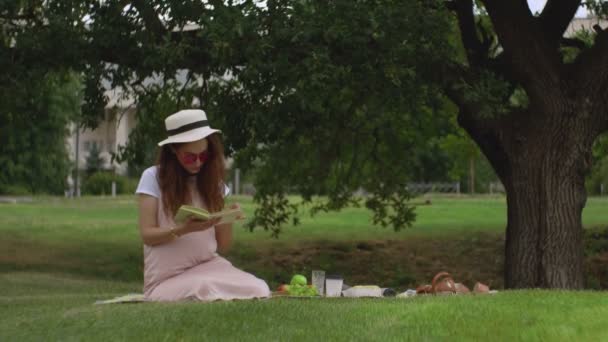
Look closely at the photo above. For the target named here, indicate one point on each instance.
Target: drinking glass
(333, 286)
(318, 280)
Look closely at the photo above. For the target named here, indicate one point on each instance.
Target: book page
(228, 216)
(186, 211)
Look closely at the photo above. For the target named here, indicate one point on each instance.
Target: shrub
(598, 176)
(595, 241)
(14, 190)
(100, 183)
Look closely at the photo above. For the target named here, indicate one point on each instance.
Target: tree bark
(542, 162)
(544, 228)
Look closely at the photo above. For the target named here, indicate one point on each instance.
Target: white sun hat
(187, 125)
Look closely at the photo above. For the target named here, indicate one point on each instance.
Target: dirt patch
(403, 264)
(399, 264)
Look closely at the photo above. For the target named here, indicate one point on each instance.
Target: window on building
(93, 144)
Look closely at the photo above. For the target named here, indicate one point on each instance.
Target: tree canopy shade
(327, 97)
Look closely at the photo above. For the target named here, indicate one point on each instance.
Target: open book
(227, 216)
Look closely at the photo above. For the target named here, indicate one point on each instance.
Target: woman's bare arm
(223, 236)
(223, 233)
(152, 234)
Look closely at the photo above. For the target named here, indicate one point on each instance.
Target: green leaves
(339, 96)
(36, 111)
(274, 212)
(317, 98)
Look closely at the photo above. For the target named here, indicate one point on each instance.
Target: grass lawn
(59, 256)
(43, 307)
(58, 218)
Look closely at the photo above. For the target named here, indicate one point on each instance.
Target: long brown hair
(172, 178)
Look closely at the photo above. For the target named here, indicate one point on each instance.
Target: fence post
(113, 189)
(237, 181)
(458, 188)
(602, 190)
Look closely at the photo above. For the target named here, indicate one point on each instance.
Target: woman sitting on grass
(181, 260)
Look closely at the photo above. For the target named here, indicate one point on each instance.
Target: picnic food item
(298, 279)
(363, 291)
(227, 216)
(298, 287)
(302, 290)
(481, 288)
(283, 288)
(443, 283)
(298, 290)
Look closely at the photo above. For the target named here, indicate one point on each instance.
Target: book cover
(227, 216)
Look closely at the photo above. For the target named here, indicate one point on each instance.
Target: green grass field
(117, 219)
(50, 308)
(59, 256)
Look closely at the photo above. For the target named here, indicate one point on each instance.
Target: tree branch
(478, 50)
(150, 17)
(488, 135)
(590, 77)
(453, 77)
(590, 68)
(574, 42)
(466, 22)
(536, 62)
(486, 132)
(556, 16)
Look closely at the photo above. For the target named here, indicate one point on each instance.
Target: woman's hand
(237, 206)
(223, 235)
(195, 225)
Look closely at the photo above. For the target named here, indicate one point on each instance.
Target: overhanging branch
(590, 68)
(150, 17)
(574, 42)
(556, 16)
(534, 59)
(487, 132)
(475, 50)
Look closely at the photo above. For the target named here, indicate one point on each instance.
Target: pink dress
(189, 268)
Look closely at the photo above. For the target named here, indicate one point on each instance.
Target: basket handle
(441, 276)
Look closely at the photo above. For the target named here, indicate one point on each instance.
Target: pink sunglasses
(190, 158)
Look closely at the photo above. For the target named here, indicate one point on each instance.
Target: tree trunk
(540, 151)
(544, 229)
(472, 174)
(542, 162)
(545, 199)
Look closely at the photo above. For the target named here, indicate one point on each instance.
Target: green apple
(299, 279)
